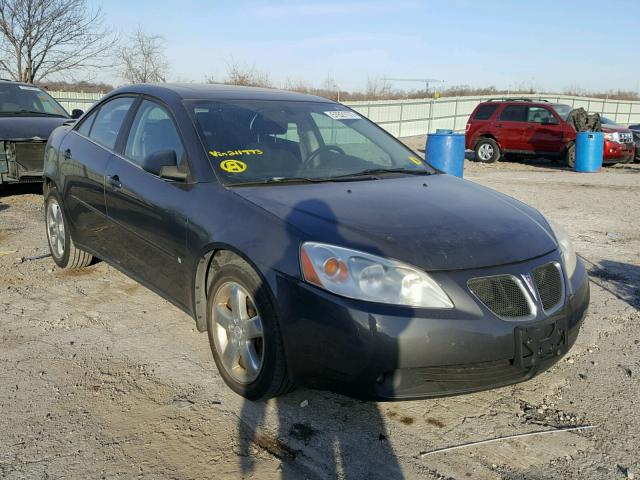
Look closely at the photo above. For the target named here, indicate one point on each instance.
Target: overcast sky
(547, 44)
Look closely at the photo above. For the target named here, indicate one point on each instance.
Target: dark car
(527, 127)
(27, 116)
(636, 139)
(312, 246)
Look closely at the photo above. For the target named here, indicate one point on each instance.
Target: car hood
(21, 127)
(437, 222)
(614, 128)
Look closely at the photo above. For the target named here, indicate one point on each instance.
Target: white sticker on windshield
(343, 115)
(25, 87)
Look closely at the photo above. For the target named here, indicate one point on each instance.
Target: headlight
(613, 137)
(367, 277)
(566, 247)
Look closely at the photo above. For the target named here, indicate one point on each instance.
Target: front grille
(502, 295)
(548, 280)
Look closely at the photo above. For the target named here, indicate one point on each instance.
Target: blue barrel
(445, 151)
(589, 151)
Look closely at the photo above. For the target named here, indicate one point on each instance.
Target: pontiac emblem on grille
(529, 282)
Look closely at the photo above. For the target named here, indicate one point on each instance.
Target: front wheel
(487, 150)
(570, 156)
(63, 250)
(244, 332)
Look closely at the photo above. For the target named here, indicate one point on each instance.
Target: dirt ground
(100, 378)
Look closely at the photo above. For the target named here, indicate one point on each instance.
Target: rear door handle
(498, 125)
(114, 182)
(67, 154)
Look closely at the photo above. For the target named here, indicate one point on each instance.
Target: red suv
(527, 127)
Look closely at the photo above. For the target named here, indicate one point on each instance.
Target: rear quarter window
(514, 113)
(484, 112)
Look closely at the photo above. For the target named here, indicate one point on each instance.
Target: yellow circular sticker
(233, 166)
(415, 160)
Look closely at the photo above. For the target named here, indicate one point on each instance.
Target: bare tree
(247, 76)
(378, 88)
(39, 38)
(142, 59)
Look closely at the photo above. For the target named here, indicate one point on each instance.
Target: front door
(544, 131)
(144, 209)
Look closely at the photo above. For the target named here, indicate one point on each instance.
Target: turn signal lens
(336, 269)
(308, 271)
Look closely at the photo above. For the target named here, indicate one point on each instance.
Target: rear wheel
(487, 150)
(244, 332)
(63, 250)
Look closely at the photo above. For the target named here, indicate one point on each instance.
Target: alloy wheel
(485, 152)
(237, 332)
(55, 228)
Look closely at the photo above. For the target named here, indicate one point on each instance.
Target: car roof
(7, 81)
(214, 91)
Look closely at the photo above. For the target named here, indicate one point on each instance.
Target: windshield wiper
(33, 112)
(271, 180)
(376, 171)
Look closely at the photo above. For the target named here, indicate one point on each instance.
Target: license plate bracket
(538, 343)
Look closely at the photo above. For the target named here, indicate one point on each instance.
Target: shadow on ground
(10, 189)
(622, 279)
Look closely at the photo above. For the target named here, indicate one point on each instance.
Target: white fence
(71, 100)
(404, 118)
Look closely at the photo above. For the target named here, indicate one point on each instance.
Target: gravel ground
(100, 378)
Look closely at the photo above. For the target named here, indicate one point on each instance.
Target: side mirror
(164, 164)
(76, 113)
(158, 159)
(173, 173)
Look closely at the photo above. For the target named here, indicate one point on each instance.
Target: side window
(484, 112)
(108, 121)
(541, 115)
(514, 113)
(152, 130)
(85, 126)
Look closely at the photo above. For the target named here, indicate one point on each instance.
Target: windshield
(264, 140)
(562, 110)
(25, 99)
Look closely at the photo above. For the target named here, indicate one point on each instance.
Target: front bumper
(391, 352)
(21, 160)
(615, 152)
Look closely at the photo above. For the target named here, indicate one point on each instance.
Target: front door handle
(498, 125)
(114, 182)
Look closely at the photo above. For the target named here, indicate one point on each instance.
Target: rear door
(544, 131)
(86, 152)
(510, 127)
(148, 234)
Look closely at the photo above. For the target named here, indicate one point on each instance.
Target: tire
(236, 279)
(63, 250)
(487, 150)
(570, 156)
